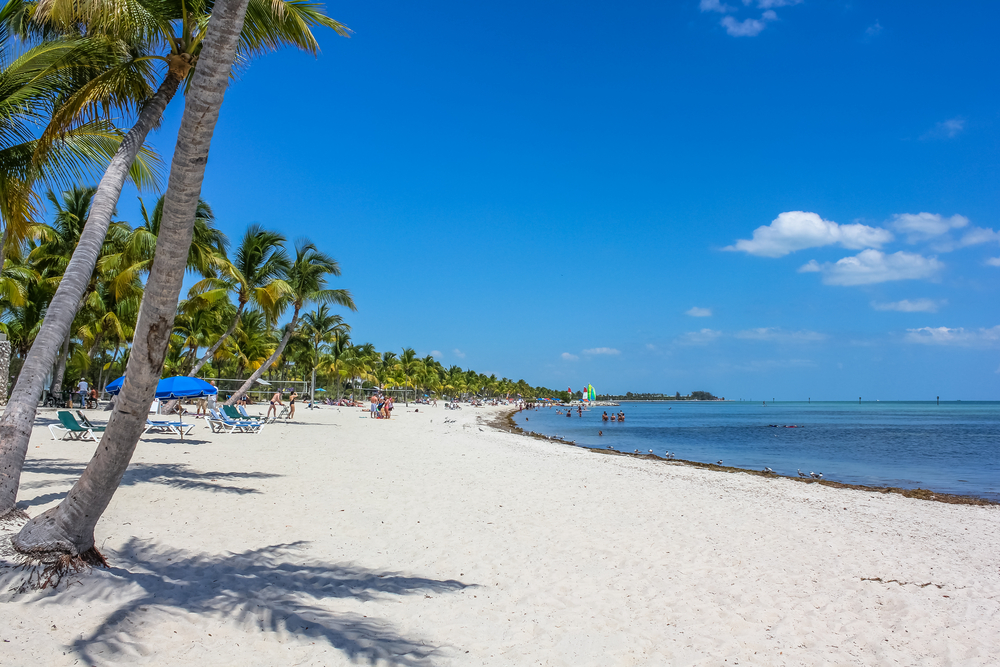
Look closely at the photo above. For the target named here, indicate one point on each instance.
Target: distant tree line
(630, 396)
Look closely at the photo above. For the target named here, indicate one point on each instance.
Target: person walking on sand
(291, 404)
(374, 403)
(275, 402)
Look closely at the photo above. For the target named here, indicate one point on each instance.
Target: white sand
(419, 542)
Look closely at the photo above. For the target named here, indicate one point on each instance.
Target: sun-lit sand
(423, 540)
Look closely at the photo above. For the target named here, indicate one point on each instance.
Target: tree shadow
(175, 475)
(270, 589)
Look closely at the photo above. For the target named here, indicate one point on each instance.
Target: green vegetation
(693, 396)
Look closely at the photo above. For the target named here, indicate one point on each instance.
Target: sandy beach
(435, 539)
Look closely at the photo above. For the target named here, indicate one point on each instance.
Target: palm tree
(255, 275)
(321, 327)
(147, 27)
(306, 280)
(66, 532)
(410, 367)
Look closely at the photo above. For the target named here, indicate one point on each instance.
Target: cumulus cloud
(715, 6)
(923, 226)
(602, 350)
(569, 357)
(959, 337)
(780, 335)
(702, 337)
(458, 353)
(907, 306)
(993, 261)
(699, 312)
(873, 30)
(948, 129)
(768, 4)
(874, 266)
(436, 354)
(744, 28)
(798, 230)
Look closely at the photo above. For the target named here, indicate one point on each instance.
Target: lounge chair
(84, 421)
(72, 430)
(220, 423)
(238, 414)
(163, 426)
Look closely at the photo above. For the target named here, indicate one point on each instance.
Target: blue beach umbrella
(173, 387)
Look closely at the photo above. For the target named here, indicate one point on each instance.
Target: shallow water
(953, 447)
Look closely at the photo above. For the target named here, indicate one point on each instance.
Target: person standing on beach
(374, 402)
(291, 403)
(275, 402)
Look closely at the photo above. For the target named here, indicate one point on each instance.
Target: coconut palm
(66, 532)
(181, 30)
(321, 327)
(255, 274)
(306, 280)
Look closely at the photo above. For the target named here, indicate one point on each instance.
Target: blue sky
(766, 199)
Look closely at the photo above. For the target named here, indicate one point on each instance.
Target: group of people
(620, 417)
(381, 406)
(87, 394)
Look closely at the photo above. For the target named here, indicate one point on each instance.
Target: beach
(435, 539)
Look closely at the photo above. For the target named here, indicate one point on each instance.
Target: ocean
(953, 447)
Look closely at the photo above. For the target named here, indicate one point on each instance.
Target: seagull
(767, 470)
(651, 451)
(802, 474)
(719, 462)
(637, 451)
(816, 475)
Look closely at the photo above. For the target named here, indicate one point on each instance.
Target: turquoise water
(953, 447)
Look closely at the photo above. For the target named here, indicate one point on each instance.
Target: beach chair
(84, 421)
(72, 430)
(238, 414)
(163, 426)
(220, 423)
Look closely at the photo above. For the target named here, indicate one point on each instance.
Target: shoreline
(433, 540)
(920, 494)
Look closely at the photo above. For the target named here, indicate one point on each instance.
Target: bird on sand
(802, 474)
(816, 475)
(719, 462)
(767, 470)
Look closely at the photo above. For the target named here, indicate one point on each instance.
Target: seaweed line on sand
(504, 422)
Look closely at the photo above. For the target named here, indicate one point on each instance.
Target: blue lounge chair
(220, 423)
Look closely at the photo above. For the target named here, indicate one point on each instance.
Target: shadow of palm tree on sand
(271, 590)
(176, 475)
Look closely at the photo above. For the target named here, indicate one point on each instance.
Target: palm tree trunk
(289, 330)
(60, 372)
(215, 348)
(15, 426)
(68, 529)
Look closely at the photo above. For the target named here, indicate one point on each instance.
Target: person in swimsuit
(604, 417)
(291, 404)
(275, 402)
(372, 408)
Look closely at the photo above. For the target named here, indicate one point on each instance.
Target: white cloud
(767, 4)
(993, 261)
(569, 357)
(907, 306)
(948, 129)
(715, 6)
(458, 353)
(436, 354)
(798, 230)
(874, 29)
(699, 312)
(960, 337)
(702, 337)
(744, 28)
(978, 235)
(780, 335)
(602, 350)
(874, 266)
(924, 226)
